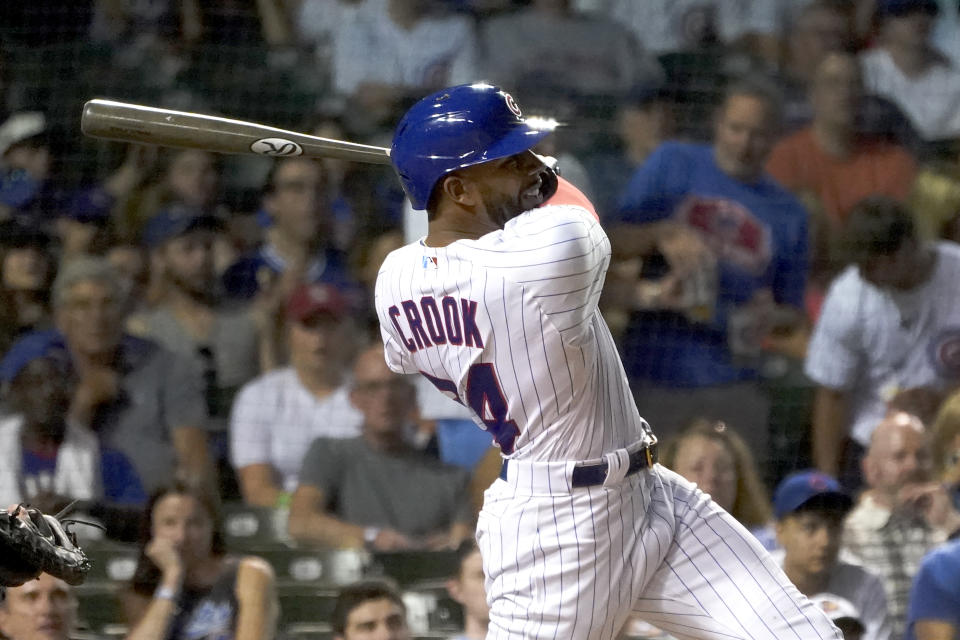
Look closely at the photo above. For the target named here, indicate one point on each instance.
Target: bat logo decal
(277, 147)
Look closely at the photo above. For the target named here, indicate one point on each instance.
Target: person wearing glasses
(377, 490)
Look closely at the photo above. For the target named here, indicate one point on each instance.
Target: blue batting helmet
(455, 128)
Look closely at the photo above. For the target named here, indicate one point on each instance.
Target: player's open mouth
(532, 197)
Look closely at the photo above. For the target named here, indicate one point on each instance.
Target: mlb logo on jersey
(429, 262)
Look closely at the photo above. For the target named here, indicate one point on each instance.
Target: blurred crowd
(182, 334)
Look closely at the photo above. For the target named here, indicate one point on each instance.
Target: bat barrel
(126, 122)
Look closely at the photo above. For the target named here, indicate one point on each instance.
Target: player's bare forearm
(830, 415)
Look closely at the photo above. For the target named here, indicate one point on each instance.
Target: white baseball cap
(21, 126)
(837, 608)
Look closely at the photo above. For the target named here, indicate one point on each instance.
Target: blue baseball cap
(176, 220)
(38, 344)
(801, 488)
(899, 8)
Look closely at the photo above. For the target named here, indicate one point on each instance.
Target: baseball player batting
(497, 307)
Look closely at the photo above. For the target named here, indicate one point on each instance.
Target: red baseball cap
(308, 300)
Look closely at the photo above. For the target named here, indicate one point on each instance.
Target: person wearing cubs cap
(275, 417)
(497, 307)
(809, 508)
(843, 614)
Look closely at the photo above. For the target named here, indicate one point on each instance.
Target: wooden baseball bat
(149, 125)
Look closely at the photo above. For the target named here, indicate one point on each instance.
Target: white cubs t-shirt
(875, 343)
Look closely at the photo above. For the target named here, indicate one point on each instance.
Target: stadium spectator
(187, 176)
(188, 318)
(885, 329)
(905, 68)
(644, 119)
(810, 508)
(724, 252)
(842, 613)
(83, 229)
(671, 26)
(934, 612)
(186, 586)
(814, 30)
(935, 199)
(376, 490)
(129, 259)
(720, 463)
(139, 398)
(901, 515)
(549, 43)
(31, 186)
(391, 49)
(26, 273)
(41, 609)
(367, 610)
(945, 436)
(831, 159)
(48, 458)
(832, 166)
(467, 588)
(276, 416)
(297, 246)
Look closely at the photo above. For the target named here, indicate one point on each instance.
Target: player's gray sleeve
(833, 356)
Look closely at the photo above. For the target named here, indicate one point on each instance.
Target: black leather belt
(591, 475)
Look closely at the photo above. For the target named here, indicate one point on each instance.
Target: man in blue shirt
(934, 612)
(722, 262)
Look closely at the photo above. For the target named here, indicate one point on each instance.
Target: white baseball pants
(571, 564)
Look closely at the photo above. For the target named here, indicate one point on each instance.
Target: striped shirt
(890, 546)
(275, 418)
(508, 325)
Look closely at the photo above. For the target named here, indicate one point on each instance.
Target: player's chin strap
(548, 177)
(618, 463)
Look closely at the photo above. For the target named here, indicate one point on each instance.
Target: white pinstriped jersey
(508, 324)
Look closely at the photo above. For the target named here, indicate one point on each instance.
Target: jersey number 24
(485, 398)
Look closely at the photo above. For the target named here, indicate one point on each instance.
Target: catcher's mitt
(38, 543)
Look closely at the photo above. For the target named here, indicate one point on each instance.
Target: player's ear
(458, 189)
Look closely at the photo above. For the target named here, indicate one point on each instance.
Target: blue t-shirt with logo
(757, 230)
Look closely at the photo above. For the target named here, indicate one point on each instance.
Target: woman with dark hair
(26, 273)
(186, 586)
